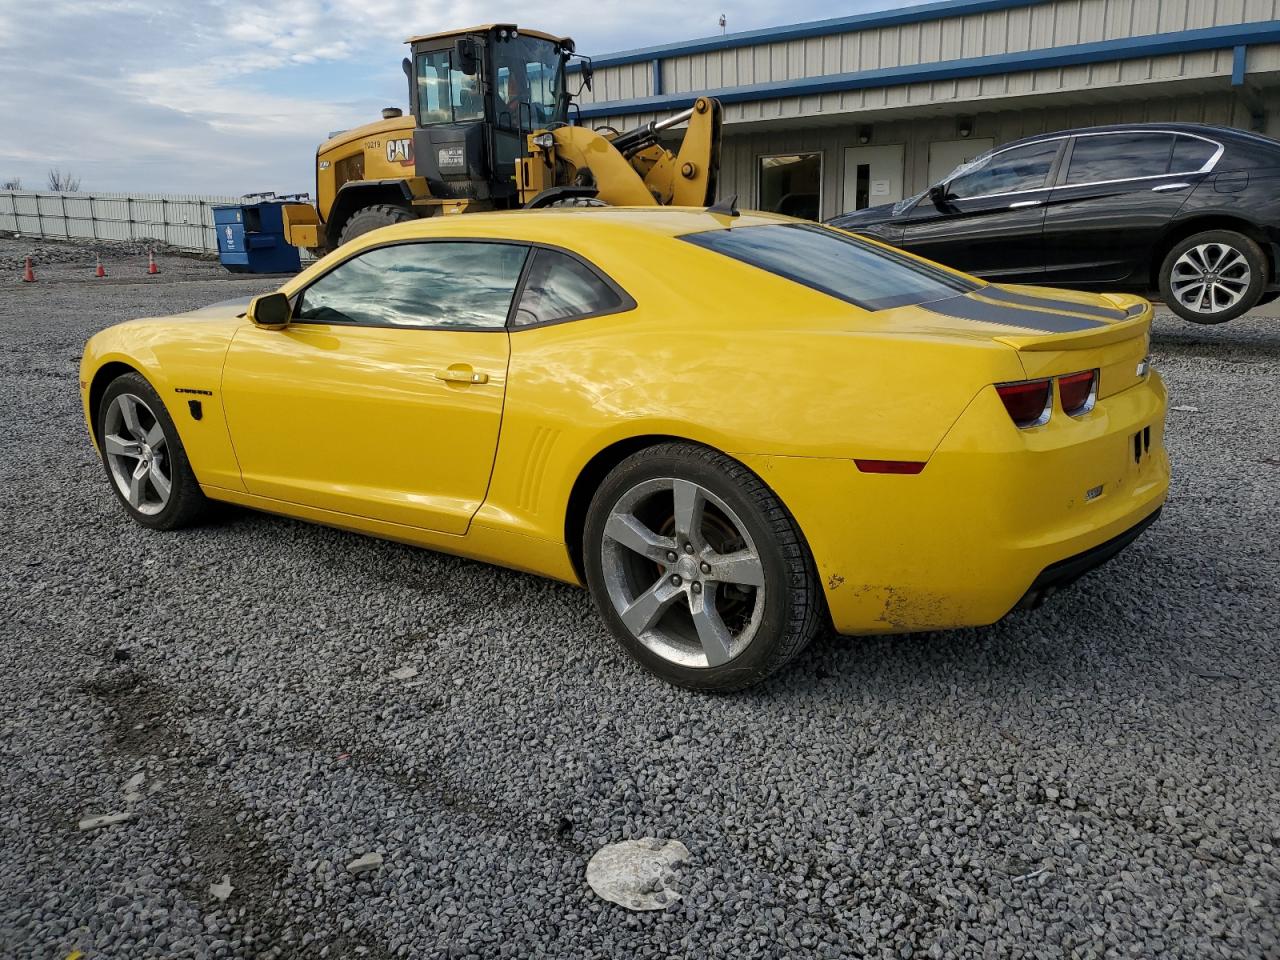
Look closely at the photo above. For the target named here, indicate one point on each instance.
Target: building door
(872, 176)
(946, 155)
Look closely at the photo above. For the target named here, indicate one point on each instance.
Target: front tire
(698, 568)
(144, 457)
(1213, 277)
(372, 218)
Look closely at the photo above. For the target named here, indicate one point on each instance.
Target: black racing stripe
(1048, 303)
(967, 308)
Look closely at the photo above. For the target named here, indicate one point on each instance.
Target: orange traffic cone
(151, 262)
(98, 271)
(28, 274)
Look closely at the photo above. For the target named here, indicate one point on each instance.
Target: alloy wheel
(137, 453)
(682, 572)
(1210, 278)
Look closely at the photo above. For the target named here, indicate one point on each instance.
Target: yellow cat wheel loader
(489, 129)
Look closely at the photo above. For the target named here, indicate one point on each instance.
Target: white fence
(182, 221)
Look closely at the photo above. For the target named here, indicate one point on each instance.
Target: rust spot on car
(834, 581)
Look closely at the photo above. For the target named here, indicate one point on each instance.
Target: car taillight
(1029, 402)
(1077, 392)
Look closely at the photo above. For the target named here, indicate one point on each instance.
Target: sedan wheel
(1213, 277)
(699, 569)
(144, 457)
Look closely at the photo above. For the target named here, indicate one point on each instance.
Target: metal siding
(181, 220)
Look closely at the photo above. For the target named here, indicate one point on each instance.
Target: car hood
(234, 307)
(864, 217)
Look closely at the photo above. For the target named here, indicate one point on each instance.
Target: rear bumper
(997, 515)
(1066, 572)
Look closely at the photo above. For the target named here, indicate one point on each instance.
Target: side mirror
(271, 310)
(587, 73)
(938, 194)
(465, 57)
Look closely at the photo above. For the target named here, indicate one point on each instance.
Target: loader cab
(476, 95)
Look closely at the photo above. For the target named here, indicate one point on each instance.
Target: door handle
(1165, 187)
(464, 375)
(1025, 203)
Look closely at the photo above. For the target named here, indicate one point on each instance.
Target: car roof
(1195, 129)
(555, 225)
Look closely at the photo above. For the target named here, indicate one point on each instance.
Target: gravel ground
(1096, 778)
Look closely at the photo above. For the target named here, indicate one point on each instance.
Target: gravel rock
(876, 799)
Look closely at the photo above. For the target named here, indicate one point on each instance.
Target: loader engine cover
(454, 160)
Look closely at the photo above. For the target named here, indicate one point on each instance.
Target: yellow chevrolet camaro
(731, 428)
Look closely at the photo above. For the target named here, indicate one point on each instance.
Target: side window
(1119, 156)
(430, 284)
(1022, 168)
(559, 287)
(1190, 154)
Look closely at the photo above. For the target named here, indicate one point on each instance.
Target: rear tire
(372, 218)
(143, 456)
(699, 569)
(578, 202)
(1213, 277)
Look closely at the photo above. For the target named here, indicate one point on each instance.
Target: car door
(383, 396)
(989, 219)
(1116, 194)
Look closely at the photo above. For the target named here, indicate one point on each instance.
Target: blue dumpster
(251, 238)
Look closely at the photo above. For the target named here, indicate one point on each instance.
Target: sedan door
(989, 220)
(1117, 194)
(383, 397)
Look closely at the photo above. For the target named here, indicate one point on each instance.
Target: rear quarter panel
(731, 357)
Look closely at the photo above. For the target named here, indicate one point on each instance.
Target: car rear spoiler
(1099, 336)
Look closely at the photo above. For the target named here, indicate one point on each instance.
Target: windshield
(529, 83)
(446, 95)
(853, 270)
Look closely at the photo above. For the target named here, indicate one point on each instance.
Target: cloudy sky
(231, 96)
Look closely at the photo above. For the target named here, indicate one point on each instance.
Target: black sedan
(1188, 210)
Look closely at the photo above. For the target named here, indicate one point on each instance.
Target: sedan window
(1190, 154)
(1119, 156)
(1009, 171)
(433, 284)
(560, 287)
(853, 270)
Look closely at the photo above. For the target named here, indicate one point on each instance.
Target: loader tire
(371, 218)
(578, 202)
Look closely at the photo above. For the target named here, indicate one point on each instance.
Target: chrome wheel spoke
(742, 567)
(155, 436)
(118, 446)
(648, 608)
(129, 413)
(138, 484)
(159, 482)
(628, 530)
(716, 640)
(689, 507)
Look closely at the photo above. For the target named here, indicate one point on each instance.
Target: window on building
(437, 284)
(1190, 154)
(1119, 156)
(1021, 168)
(559, 287)
(792, 184)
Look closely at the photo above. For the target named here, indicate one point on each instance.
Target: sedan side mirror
(271, 310)
(938, 194)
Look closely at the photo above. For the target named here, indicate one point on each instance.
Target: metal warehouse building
(840, 114)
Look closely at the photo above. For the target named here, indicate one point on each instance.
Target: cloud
(225, 97)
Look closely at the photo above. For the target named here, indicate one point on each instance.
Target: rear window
(844, 267)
